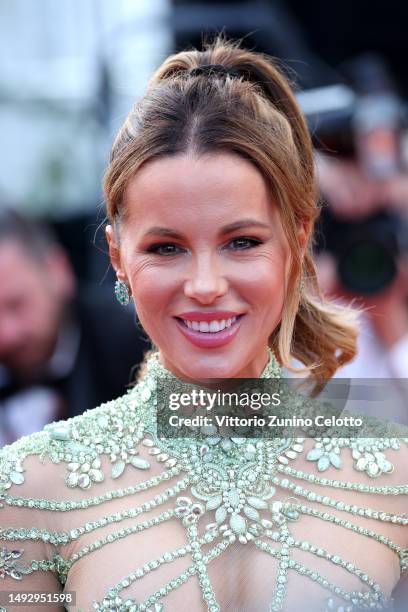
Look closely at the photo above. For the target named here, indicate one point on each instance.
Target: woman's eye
(243, 242)
(167, 248)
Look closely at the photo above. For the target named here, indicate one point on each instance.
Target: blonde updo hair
(249, 110)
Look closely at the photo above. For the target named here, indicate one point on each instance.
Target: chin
(210, 367)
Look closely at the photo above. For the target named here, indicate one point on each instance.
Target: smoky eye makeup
(164, 249)
(238, 243)
(243, 243)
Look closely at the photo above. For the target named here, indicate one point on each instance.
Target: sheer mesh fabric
(243, 577)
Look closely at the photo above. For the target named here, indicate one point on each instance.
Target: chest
(156, 557)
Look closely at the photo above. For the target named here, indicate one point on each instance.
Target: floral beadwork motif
(82, 475)
(12, 470)
(9, 564)
(235, 498)
(113, 432)
(367, 454)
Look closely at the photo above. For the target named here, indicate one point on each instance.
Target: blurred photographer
(366, 259)
(61, 346)
(363, 242)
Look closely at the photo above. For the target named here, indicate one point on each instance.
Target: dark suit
(110, 347)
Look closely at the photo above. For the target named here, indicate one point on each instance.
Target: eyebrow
(242, 224)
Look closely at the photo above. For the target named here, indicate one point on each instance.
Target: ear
(114, 252)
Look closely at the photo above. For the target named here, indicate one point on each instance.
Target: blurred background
(70, 71)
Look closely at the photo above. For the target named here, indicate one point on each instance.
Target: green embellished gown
(100, 507)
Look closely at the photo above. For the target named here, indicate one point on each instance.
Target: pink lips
(209, 339)
(209, 315)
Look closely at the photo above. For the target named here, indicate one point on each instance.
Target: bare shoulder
(23, 465)
(34, 465)
(78, 453)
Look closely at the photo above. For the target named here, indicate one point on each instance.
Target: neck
(264, 366)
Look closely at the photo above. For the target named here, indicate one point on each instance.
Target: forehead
(218, 186)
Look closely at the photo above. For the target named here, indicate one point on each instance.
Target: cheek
(152, 288)
(266, 288)
(268, 276)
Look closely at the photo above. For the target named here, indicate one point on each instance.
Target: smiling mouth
(209, 327)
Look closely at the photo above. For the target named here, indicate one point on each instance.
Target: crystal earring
(122, 292)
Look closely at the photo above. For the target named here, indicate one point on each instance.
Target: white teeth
(214, 326)
(210, 326)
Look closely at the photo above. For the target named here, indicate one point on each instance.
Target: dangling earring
(302, 285)
(122, 292)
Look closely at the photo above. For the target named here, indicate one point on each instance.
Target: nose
(206, 282)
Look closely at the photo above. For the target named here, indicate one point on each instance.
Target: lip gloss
(210, 339)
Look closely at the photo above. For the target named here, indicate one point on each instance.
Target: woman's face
(203, 250)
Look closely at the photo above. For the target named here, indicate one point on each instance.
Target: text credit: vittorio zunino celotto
(218, 400)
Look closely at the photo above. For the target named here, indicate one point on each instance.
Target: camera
(364, 125)
(366, 251)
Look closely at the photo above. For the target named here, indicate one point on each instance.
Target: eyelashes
(245, 242)
(164, 248)
(167, 249)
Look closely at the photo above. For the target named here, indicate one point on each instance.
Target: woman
(211, 202)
